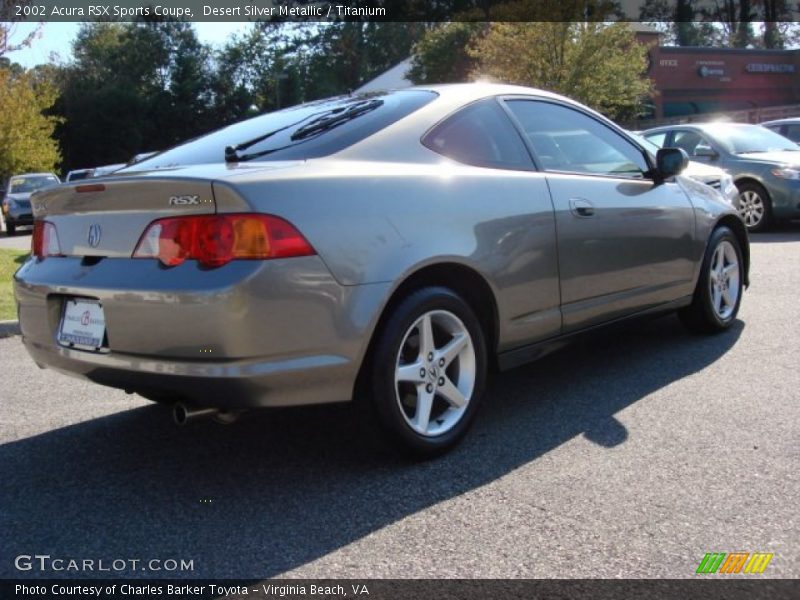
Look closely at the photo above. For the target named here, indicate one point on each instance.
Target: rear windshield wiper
(332, 120)
(232, 152)
(324, 121)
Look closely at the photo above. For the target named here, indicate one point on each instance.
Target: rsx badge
(183, 200)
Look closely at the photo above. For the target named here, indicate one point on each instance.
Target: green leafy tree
(441, 55)
(275, 65)
(133, 87)
(26, 133)
(680, 22)
(599, 64)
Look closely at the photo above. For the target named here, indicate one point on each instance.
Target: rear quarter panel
(380, 222)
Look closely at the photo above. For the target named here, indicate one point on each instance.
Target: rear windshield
(26, 185)
(389, 108)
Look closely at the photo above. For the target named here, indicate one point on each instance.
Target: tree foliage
(135, 87)
(441, 54)
(598, 64)
(26, 134)
(723, 23)
(132, 87)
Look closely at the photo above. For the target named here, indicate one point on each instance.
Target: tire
(719, 288)
(755, 207)
(426, 374)
(11, 229)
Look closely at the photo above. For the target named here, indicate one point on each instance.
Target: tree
(680, 22)
(133, 87)
(9, 40)
(599, 64)
(441, 54)
(280, 64)
(26, 134)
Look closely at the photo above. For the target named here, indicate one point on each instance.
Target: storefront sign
(769, 68)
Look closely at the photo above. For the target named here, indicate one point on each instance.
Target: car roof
(700, 126)
(33, 175)
(468, 92)
(789, 121)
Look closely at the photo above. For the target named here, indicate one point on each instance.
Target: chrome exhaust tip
(184, 413)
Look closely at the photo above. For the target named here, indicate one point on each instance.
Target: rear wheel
(755, 207)
(427, 373)
(11, 229)
(719, 287)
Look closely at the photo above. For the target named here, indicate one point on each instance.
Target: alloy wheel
(724, 280)
(435, 373)
(751, 208)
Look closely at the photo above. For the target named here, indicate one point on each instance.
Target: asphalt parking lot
(628, 455)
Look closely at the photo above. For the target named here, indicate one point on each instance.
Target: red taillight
(215, 240)
(45, 240)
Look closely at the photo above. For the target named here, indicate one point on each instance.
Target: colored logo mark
(735, 562)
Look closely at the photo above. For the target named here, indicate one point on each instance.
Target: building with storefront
(694, 80)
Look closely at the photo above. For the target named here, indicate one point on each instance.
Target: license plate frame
(84, 319)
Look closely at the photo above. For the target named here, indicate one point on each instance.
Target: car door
(514, 224)
(624, 240)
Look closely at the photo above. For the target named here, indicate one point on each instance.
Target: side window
(564, 139)
(480, 135)
(793, 133)
(657, 138)
(694, 143)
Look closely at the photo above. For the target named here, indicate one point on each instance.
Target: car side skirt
(531, 352)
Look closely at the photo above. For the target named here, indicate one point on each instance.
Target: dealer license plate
(83, 324)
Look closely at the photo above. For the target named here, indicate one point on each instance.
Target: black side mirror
(671, 161)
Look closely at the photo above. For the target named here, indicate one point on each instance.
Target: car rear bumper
(246, 335)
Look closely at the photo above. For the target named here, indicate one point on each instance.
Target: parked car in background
(104, 170)
(16, 204)
(788, 128)
(387, 248)
(79, 174)
(765, 165)
(717, 178)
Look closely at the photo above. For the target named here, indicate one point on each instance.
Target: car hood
(780, 157)
(19, 196)
(698, 169)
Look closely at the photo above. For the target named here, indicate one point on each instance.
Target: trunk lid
(118, 209)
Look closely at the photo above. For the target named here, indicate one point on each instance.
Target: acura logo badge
(94, 235)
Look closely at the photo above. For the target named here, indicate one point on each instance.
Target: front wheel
(754, 207)
(428, 372)
(719, 287)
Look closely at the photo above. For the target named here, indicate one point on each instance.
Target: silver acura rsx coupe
(385, 248)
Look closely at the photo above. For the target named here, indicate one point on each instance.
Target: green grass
(10, 261)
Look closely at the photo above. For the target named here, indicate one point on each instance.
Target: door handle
(581, 208)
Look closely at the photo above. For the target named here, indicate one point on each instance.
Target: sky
(57, 38)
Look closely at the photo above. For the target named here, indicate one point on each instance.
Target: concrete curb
(9, 328)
